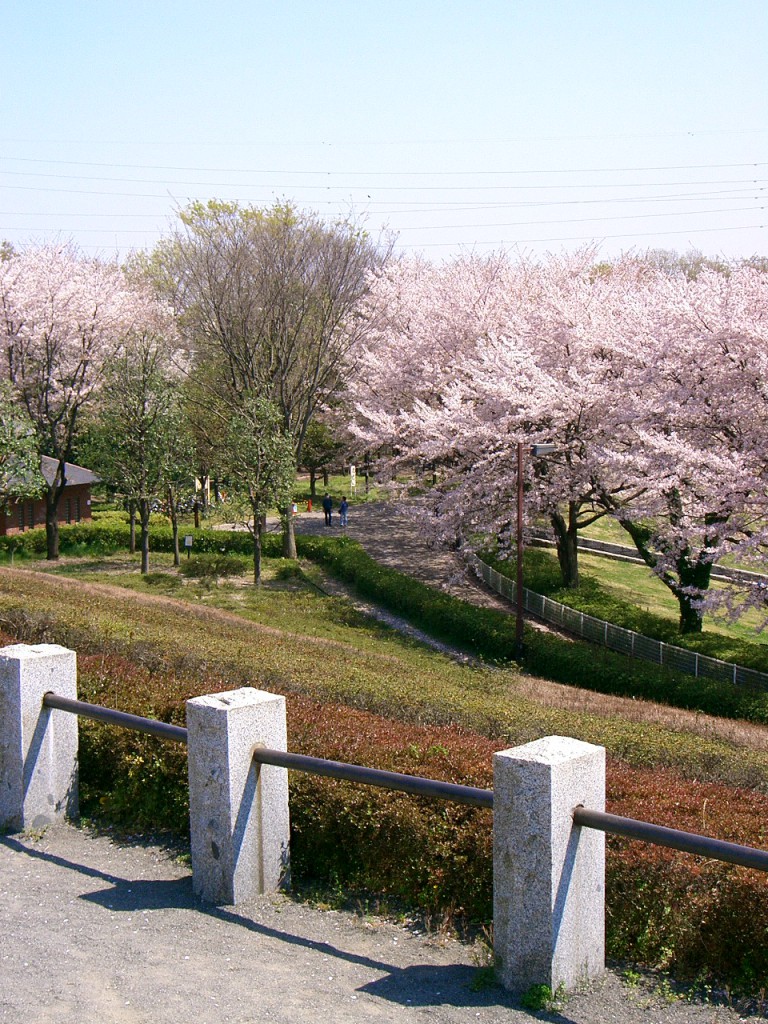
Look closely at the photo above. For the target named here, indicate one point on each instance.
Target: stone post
(38, 746)
(238, 809)
(548, 874)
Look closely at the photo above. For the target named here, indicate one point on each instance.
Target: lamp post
(535, 449)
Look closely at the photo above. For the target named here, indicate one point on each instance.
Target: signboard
(353, 477)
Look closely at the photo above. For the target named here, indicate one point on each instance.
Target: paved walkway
(400, 539)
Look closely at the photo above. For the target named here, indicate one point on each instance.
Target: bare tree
(269, 301)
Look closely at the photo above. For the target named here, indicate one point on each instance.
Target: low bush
(114, 515)
(110, 532)
(701, 920)
(213, 566)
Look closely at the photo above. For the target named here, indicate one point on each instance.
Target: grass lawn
(637, 585)
(286, 600)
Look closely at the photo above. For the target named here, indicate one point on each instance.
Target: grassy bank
(356, 694)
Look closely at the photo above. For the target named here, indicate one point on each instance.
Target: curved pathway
(400, 539)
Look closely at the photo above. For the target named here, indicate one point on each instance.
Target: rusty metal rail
(688, 842)
(376, 777)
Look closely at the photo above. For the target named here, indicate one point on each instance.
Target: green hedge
(111, 532)
(491, 635)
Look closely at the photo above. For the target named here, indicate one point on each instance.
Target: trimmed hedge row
(490, 634)
(110, 533)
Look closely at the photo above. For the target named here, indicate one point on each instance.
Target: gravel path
(93, 930)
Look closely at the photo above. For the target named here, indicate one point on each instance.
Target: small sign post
(188, 544)
(353, 478)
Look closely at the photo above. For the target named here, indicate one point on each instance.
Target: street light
(534, 449)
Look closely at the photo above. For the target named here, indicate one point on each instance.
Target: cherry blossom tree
(700, 436)
(472, 358)
(62, 316)
(650, 385)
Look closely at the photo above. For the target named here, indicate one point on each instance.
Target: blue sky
(531, 124)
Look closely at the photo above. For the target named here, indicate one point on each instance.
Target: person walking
(327, 508)
(343, 511)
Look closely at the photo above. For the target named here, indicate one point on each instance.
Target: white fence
(616, 638)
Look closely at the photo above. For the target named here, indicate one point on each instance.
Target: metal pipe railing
(688, 842)
(101, 714)
(376, 777)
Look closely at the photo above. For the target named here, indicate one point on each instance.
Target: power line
(512, 224)
(368, 174)
(584, 220)
(448, 206)
(384, 188)
(587, 238)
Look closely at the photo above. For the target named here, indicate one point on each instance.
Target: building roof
(73, 474)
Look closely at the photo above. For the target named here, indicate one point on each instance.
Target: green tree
(258, 461)
(268, 301)
(20, 475)
(319, 451)
(139, 442)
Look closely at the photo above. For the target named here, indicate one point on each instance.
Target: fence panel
(616, 638)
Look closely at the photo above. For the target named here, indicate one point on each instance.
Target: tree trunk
(326, 478)
(312, 483)
(566, 538)
(289, 534)
(174, 514)
(257, 528)
(692, 573)
(53, 495)
(52, 523)
(144, 519)
(691, 619)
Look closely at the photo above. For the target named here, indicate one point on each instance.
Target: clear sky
(458, 124)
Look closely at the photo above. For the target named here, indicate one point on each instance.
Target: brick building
(75, 504)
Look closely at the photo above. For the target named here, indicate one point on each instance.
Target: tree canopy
(650, 384)
(268, 300)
